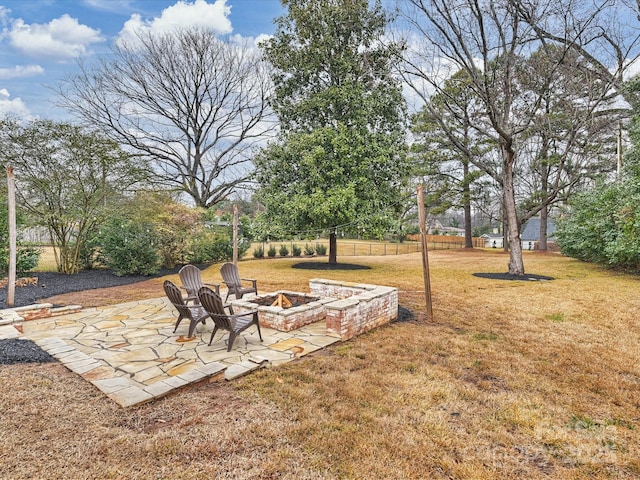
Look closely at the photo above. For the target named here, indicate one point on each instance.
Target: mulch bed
(527, 277)
(50, 284)
(15, 350)
(329, 266)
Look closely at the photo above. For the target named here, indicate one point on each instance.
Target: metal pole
(425, 256)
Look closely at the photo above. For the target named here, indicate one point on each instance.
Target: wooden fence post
(425, 255)
(11, 194)
(235, 234)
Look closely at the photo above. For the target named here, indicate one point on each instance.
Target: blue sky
(42, 40)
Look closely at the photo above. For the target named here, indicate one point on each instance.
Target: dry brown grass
(511, 380)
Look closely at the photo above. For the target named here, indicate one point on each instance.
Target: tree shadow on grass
(329, 266)
(527, 277)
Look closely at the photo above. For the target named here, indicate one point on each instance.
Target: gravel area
(52, 283)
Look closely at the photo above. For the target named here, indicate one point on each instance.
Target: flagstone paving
(130, 353)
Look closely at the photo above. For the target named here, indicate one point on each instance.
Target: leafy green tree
(67, 179)
(340, 156)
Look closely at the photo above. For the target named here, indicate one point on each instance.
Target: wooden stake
(235, 234)
(422, 216)
(11, 194)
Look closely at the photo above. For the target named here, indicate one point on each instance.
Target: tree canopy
(67, 179)
(340, 157)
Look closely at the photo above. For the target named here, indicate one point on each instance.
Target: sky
(41, 41)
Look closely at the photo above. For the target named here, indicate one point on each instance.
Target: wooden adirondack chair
(232, 280)
(194, 313)
(234, 324)
(191, 278)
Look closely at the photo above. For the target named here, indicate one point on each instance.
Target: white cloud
(15, 107)
(61, 38)
(20, 71)
(183, 14)
(115, 6)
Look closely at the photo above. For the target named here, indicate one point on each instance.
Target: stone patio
(130, 353)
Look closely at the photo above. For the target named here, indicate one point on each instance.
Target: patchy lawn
(536, 379)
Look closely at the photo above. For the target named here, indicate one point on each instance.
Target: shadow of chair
(191, 278)
(231, 278)
(194, 313)
(233, 323)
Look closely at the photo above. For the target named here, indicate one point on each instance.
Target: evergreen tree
(340, 156)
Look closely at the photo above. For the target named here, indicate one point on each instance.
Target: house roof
(531, 230)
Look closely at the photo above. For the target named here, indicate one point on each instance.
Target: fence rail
(363, 248)
(354, 248)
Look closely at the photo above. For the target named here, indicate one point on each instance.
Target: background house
(530, 235)
(493, 240)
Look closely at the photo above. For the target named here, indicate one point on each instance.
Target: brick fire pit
(348, 308)
(305, 309)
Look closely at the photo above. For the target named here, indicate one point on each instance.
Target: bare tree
(488, 40)
(194, 104)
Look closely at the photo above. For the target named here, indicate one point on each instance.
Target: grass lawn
(511, 380)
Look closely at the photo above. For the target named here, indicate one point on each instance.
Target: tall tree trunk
(333, 248)
(516, 265)
(544, 215)
(466, 204)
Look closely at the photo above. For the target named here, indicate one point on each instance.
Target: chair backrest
(175, 297)
(212, 303)
(191, 279)
(230, 275)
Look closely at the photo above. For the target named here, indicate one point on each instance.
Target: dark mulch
(329, 266)
(52, 283)
(528, 277)
(15, 350)
(404, 314)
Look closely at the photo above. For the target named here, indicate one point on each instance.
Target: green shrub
(129, 248)
(210, 246)
(308, 249)
(296, 251)
(283, 250)
(271, 252)
(321, 249)
(26, 257)
(89, 253)
(258, 252)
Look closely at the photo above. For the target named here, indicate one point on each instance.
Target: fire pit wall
(359, 308)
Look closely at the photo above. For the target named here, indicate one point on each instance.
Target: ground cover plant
(512, 379)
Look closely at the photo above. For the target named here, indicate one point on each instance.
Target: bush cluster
(603, 226)
(26, 256)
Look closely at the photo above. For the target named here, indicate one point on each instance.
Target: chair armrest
(216, 286)
(252, 280)
(244, 314)
(189, 298)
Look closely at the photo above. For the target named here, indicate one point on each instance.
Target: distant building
(493, 240)
(530, 236)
